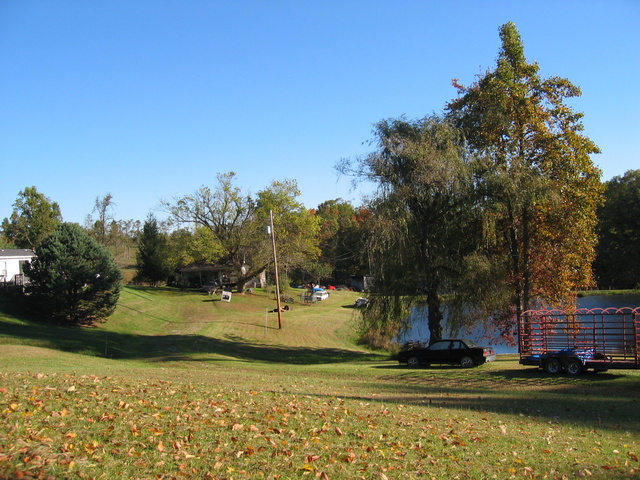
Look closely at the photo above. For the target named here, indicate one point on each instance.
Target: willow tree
(539, 177)
(421, 225)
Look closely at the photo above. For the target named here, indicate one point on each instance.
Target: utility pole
(275, 264)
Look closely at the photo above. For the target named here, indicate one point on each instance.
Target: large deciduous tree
(226, 212)
(73, 279)
(237, 223)
(539, 177)
(295, 228)
(618, 260)
(34, 218)
(187, 246)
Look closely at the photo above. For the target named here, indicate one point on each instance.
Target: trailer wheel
(553, 366)
(413, 361)
(574, 367)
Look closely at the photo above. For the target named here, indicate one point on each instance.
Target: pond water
(607, 301)
(420, 329)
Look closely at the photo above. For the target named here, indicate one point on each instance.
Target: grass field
(181, 385)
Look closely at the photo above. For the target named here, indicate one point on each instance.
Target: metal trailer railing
(593, 335)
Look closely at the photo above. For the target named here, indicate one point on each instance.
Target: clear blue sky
(150, 99)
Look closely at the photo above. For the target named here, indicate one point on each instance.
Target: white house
(12, 262)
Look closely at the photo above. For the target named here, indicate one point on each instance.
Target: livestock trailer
(578, 339)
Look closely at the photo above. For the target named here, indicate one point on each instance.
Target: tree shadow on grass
(98, 342)
(599, 400)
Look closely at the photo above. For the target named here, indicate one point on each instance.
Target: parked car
(361, 302)
(463, 352)
(318, 294)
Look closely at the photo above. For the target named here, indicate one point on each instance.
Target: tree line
(484, 211)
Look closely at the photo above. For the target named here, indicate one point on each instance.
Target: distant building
(197, 274)
(361, 283)
(12, 266)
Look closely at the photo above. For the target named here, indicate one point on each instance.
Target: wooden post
(275, 264)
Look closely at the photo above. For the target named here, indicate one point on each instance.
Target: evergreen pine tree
(152, 260)
(73, 278)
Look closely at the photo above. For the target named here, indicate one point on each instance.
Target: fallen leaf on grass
(350, 458)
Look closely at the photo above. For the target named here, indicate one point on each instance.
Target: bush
(73, 278)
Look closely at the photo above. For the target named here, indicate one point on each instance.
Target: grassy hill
(169, 324)
(180, 385)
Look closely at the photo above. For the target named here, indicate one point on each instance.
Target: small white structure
(12, 263)
(320, 294)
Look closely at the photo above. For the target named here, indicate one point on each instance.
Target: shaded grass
(163, 323)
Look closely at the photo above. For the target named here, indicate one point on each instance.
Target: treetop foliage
(34, 217)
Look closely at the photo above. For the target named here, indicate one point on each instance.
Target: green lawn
(180, 385)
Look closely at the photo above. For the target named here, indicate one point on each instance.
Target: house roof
(14, 253)
(204, 267)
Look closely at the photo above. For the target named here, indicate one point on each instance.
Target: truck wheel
(574, 367)
(413, 361)
(553, 366)
(467, 362)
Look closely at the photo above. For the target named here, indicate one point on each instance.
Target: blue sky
(150, 99)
